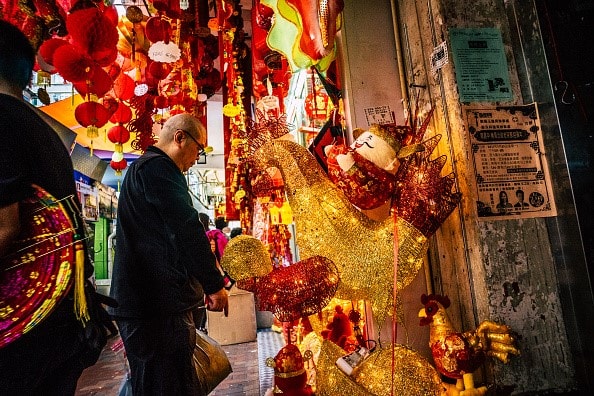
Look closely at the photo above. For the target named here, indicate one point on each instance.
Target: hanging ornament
(99, 85)
(118, 134)
(72, 64)
(118, 166)
(157, 29)
(91, 115)
(123, 87)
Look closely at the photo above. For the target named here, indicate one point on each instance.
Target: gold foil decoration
(328, 225)
(246, 257)
(413, 375)
(330, 381)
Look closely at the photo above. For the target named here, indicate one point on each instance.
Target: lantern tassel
(80, 301)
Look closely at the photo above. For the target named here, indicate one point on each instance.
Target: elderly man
(163, 263)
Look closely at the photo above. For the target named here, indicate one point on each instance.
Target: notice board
(479, 57)
(511, 173)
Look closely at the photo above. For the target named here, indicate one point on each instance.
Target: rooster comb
(443, 300)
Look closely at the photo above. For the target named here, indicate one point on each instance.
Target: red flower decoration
(301, 289)
(47, 49)
(72, 64)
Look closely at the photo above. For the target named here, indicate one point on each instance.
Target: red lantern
(91, 30)
(122, 115)
(111, 105)
(118, 134)
(123, 87)
(119, 166)
(157, 29)
(99, 85)
(159, 70)
(91, 115)
(161, 102)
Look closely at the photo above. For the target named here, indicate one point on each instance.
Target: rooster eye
(431, 308)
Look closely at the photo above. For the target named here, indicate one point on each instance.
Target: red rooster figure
(457, 355)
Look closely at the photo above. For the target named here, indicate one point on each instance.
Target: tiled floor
(250, 376)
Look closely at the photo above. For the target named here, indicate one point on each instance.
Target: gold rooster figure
(457, 355)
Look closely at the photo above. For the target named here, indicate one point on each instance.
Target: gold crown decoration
(264, 129)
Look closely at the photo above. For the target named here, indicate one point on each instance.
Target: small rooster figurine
(457, 355)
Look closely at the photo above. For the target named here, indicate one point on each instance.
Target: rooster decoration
(457, 355)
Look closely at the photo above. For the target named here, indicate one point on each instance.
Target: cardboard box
(240, 325)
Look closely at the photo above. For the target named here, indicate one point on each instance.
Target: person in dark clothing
(236, 231)
(219, 241)
(50, 357)
(163, 264)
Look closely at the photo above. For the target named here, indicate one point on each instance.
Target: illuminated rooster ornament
(329, 225)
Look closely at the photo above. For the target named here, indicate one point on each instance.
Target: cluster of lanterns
(132, 70)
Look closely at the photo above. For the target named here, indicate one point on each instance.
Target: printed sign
(379, 115)
(481, 66)
(165, 53)
(439, 57)
(510, 165)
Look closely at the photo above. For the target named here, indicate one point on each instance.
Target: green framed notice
(482, 74)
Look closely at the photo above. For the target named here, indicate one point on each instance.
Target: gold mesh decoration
(328, 225)
(246, 257)
(330, 381)
(413, 374)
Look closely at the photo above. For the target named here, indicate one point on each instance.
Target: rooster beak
(422, 313)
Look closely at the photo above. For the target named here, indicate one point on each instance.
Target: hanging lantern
(119, 166)
(47, 49)
(99, 85)
(123, 87)
(118, 134)
(157, 29)
(122, 115)
(159, 70)
(91, 115)
(92, 31)
(161, 102)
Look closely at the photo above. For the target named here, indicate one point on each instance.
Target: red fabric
(365, 185)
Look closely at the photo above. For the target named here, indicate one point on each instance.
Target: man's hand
(218, 302)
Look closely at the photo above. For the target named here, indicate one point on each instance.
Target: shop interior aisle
(250, 375)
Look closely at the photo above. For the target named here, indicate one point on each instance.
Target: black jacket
(163, 260)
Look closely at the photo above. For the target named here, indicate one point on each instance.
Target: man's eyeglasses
(200, 146)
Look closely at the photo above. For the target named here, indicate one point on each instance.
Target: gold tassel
(80, 302)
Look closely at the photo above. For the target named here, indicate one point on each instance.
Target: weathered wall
(506, 271)
(529, 274)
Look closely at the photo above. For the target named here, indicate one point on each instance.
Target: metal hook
(567, 97)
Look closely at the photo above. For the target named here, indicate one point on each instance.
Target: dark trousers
(160, 354)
